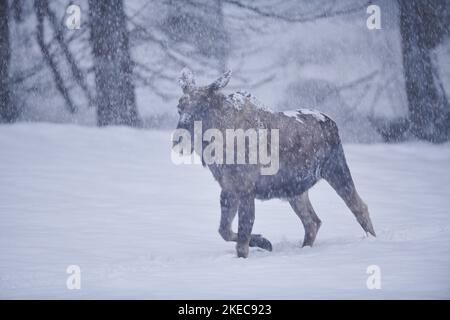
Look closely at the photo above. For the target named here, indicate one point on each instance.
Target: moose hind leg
(337, 174)
(311, 222)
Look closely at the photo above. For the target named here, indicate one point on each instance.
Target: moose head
(197, 101)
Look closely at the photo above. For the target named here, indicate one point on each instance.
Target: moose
(309, 149)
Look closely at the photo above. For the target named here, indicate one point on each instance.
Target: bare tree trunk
(428, 105)
(116, 102)
(8, 113)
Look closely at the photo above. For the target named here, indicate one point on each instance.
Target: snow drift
(111, 201)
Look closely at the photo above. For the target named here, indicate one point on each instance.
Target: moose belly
(285, 184)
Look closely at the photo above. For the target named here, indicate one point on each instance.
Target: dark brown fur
(309, 150)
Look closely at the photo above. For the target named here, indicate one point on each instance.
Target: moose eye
(182, 102)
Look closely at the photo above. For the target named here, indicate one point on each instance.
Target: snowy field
(111, 201)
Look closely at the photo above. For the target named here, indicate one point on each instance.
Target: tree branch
(314, 17)
(76, 71)
(59, 82)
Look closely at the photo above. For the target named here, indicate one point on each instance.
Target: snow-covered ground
(111, 201)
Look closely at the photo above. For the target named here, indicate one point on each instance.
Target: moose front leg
(246, 213)
(229, 203)
(228, 209)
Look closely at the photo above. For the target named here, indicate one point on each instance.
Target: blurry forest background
(120, 67)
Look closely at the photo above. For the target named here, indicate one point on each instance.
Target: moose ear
(186, 80)
(221, 82)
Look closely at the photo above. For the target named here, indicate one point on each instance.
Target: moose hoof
(259, 241)
(310, 234)
(309, 240)
(242, 251)
(366, 224)
(308, 243)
